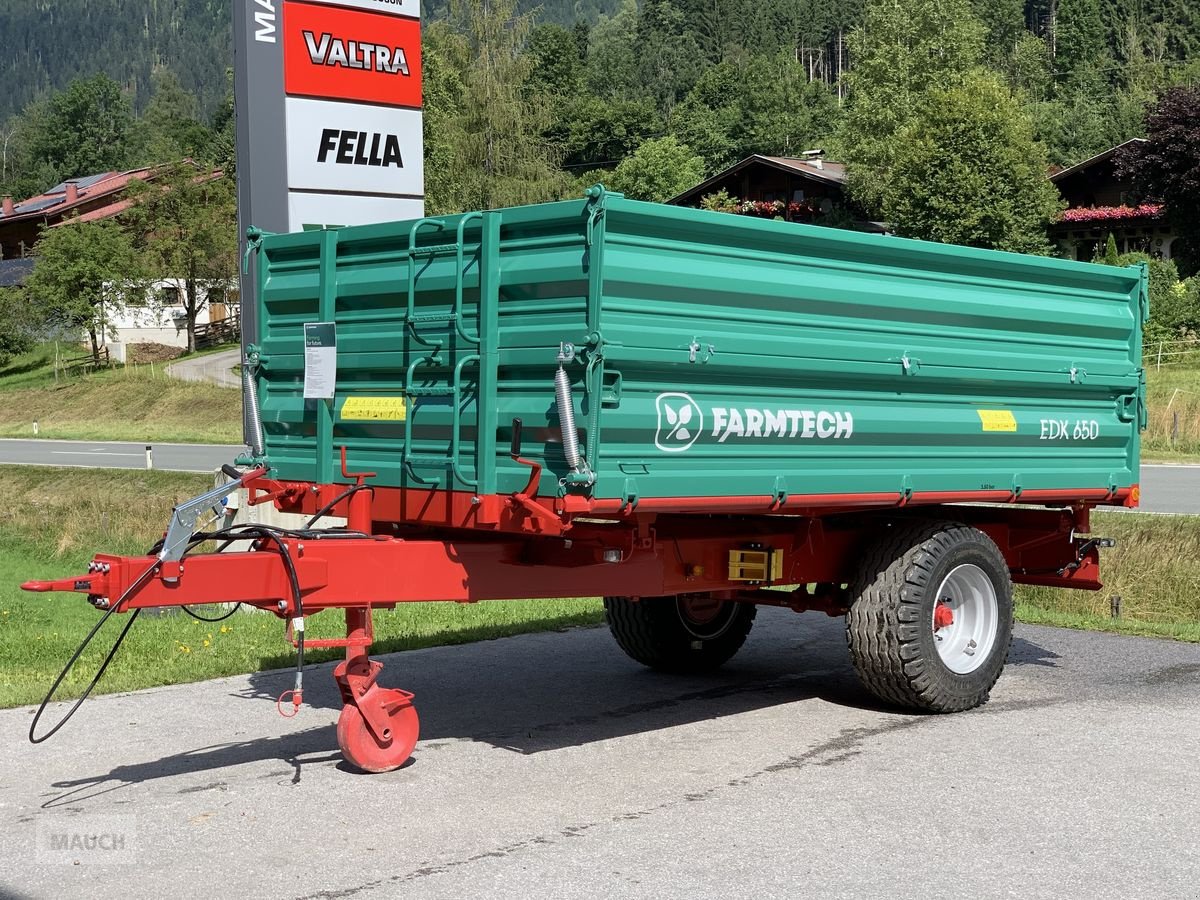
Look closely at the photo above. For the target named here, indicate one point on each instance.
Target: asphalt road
(1171, 489)
(552, 766)
(1165, 489)
(118, 455)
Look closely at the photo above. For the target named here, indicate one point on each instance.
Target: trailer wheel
(360, 747)
(686, 634)
(931, 617)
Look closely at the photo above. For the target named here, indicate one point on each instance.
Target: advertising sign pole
(328, 101)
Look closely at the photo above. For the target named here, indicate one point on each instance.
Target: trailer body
(684, 412)
(717, 358)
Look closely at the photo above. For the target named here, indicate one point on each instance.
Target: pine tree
(1078, 34)
(501, 157)
(1111, 256)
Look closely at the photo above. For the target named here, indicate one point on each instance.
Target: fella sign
(329, 128)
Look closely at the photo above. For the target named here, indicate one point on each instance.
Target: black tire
(659, 632)
(890, 629)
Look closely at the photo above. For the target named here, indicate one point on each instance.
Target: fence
(1184, 351)
(224, 331)
(84, 362)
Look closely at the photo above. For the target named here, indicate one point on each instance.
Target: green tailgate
(716, 356)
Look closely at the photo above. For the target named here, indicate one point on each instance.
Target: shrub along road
(552, 764)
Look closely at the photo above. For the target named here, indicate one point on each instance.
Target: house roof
(13, 272)
(818, 170)
(1094, 160)
(53, 203)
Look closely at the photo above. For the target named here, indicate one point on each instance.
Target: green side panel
(717, 356)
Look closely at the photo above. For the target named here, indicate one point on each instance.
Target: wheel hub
(704, 617)
(965, 619)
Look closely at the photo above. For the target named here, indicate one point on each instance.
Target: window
(168, 296)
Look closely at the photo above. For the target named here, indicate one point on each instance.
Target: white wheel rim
(968, 595)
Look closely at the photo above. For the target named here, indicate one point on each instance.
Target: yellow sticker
(997, 420)
(374, 409)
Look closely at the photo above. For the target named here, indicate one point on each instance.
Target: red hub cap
(943, 617)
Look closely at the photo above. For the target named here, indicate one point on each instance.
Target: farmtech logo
(681, 423)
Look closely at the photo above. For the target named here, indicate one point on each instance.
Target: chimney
(72, 193)
(9, 208)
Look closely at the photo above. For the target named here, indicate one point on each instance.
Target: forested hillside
(948, 116)
(948, 113)
(46, 43)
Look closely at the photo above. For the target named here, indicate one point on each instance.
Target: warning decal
(997, 419)
(374, 409)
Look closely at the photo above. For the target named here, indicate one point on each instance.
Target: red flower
(1112, 213)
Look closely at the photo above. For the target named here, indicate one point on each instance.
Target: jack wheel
(363, 750)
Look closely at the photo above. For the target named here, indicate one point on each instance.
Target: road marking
(90, 453)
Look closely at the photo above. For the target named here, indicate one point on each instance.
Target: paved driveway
(215, 367)
(551, 766)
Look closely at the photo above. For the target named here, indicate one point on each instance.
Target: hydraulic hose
(137, 584)
(237, 532)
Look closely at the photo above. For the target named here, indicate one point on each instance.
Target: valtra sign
(351, 54)
(329, 121)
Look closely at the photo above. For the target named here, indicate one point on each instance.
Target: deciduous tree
(1167, 166)
(967, 171)
(82, 130)
(84, 274)
(658, 170)
(186, 224)
(903, 50)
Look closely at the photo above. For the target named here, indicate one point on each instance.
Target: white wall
(155, 321)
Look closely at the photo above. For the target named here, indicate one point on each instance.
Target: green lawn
(1173, 432)
(39, 632)
(54, 519)
(52, 522)
(125, 403)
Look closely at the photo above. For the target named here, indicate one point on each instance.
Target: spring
(252, 416)
(566, 417)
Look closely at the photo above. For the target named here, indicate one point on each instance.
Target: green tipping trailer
(709, 356)
(688, 413)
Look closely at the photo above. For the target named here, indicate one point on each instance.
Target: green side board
(716, 356)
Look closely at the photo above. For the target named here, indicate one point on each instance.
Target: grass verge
(1173, 427)
(54, 519)
(1154, 569)
(125, 403)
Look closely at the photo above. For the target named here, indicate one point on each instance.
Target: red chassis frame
(452, 546)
